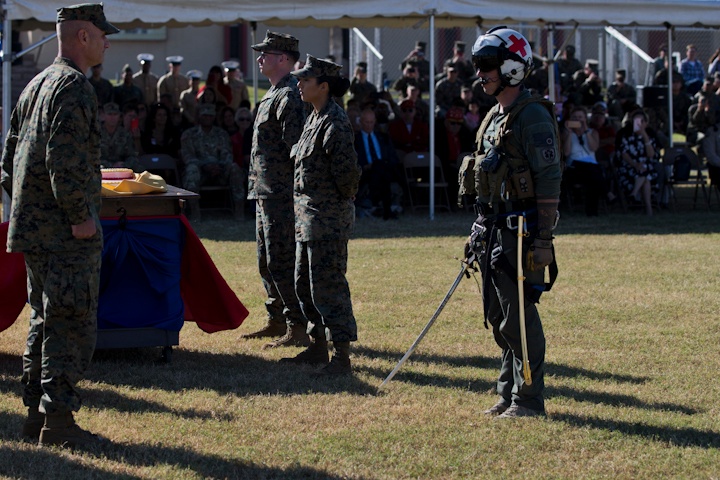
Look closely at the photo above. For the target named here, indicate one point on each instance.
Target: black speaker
(652, 96)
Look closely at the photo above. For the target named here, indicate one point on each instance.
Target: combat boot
(315, 354)
(340, 363)
(33, 424)
(271, 329)
(295, 336)
(61, 430)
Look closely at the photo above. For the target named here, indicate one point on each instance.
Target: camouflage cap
(88, 12)
(111, 108)
(206, 109)
(280, 42)
(314, 67)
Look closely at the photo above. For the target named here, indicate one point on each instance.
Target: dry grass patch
(632, 331)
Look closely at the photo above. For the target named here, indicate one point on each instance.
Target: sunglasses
(265, 54)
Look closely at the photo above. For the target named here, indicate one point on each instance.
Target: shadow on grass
(681, 437)
(34, 462)
(238, 374)
(223, 228)
(615, 399)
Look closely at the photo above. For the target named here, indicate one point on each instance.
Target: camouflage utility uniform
(200, 149)
(117, 149)
(276, 129)
(51, 168)
(327, 176)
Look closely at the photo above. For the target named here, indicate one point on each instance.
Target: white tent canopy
(396, 13)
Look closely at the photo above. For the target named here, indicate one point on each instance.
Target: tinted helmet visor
(486, 60)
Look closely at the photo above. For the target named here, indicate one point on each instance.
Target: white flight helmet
(503, 49)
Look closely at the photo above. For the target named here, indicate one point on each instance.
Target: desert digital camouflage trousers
(275, 234)
(323, 290)
(63, 290)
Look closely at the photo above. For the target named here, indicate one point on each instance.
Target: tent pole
(550, 55)
(6, 97)
(432, 114)
(256, 70)
(670, 74)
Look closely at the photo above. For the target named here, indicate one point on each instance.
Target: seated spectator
(537, 81)
(117, 148)
(452, 138)
(463, 66)
(360, 88)
(353, 112)
(188, 98)
(244, 121)
(714, 63)
(638, 154)
(206, 152)
(407, 132)
(703, 114)
(160, 136)
(692, 70)
(422, 108)
(409, 77)
(567, 65)
(711, 149)
(447, 91)
(131, 123)
(600, 122)
(620, 95)
(215, 76)
(127, 92)
(681, 105)
(589, 85)
(103, 87)
(485, 101)
(472, 116)
(581, 167)
(376, 157)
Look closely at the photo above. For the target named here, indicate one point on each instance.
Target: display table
(155, 275)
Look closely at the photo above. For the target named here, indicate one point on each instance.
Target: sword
(466, 265)
(521, 301)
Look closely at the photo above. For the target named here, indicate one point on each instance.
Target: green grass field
(632, 381)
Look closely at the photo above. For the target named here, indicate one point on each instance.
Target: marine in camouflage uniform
(327, 176)
(447, 90)
(117, 149)
(517, 169)
(51, 170)
(277, 128)
(207, 154)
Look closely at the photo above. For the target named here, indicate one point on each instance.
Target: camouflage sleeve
(68, 151)
(291, 114)
(339, 145)
(9, 154)
(187, 148)
(225, 156)
(129, 152)
(542, 147)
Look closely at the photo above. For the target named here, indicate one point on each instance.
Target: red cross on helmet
(503, 49)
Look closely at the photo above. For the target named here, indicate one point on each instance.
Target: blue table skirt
(140, 274)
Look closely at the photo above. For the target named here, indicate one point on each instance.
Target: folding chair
(161, 164)
(683, 167)
(416, 166)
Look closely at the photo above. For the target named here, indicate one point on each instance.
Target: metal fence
(385, 48)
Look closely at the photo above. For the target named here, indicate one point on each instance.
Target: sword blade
(427, 327)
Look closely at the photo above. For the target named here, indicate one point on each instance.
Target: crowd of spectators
(605, 155)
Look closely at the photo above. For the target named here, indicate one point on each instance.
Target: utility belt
(505, 214)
